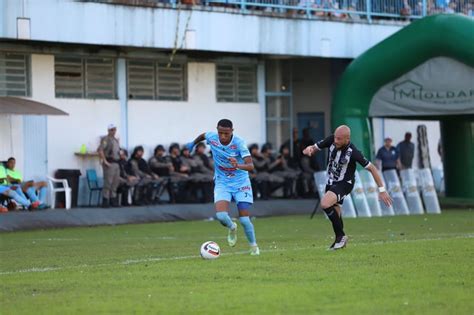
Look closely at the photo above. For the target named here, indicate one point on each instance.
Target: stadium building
(166, 71)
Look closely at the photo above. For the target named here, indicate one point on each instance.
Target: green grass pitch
(392, 265)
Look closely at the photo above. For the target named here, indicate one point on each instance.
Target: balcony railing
(354, 10)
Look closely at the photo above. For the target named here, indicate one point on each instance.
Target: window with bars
(154, 80)
(236, 83)
(14, 74)
(77, 77)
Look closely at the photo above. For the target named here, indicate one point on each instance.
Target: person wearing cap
(259, 176)
(182, 173)
(109, 153)
(128, 181)
(151, 183)
(387, 156)
(200, 179)
(206, 171)
(163, 167)
(272, 163)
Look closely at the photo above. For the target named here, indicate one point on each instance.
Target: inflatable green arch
(434, 36)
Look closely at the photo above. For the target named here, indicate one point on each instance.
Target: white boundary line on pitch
(159, 259)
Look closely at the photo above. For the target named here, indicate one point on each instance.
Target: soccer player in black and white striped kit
(342, 159)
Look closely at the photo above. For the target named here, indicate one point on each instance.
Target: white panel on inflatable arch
(400, 206)
(359, 199)
(372, 194)
(410, 189)
(428, 192)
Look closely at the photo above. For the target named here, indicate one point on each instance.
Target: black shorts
(341, 189)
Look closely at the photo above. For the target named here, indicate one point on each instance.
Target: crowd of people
(187, 177)
(330, 8)
(396, 158)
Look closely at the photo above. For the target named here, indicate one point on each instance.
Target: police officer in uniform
(109, 152)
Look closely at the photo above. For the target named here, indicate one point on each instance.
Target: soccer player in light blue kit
(232, 162)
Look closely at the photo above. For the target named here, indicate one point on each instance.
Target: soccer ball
(210, 250)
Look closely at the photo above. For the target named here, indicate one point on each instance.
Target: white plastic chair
(64, 188)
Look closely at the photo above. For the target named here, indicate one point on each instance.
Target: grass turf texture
(410, 265)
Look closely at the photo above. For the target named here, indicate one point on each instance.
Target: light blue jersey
(225, 173)
(230, 183)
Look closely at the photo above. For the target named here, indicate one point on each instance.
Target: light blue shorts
(242, 193)
(4, 188)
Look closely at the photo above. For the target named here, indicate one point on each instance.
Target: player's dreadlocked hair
(225, 123)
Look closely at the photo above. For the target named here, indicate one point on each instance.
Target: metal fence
(337, 9)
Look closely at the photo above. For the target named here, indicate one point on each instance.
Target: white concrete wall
(150, 122)
(396, 128)
(87, 120)
(67, 21)
(11, 138)
(163, 122)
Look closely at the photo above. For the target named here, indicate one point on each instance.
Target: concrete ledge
(60, 218)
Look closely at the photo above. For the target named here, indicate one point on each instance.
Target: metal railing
(349, 9)
(355, 10)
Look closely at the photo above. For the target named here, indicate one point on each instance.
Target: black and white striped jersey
(341, 162)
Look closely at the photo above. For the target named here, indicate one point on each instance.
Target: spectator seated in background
(36, 191)
(182, 172)
(306, 140)
(406, 10)
(150, 183)
(286, 168)
(8, 193)
(274, 168)
(200, 180)
(264, 181)
(162, 165)
(469, 10)
(297, 150)
(259, 177)
(308, 167)
(2, 196)
(205, 167)
(206, 161)
(127, 180)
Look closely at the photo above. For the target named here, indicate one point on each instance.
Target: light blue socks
(225, 219)
(249, 230)
(31, 192)
(43, 193)
(18, 198)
